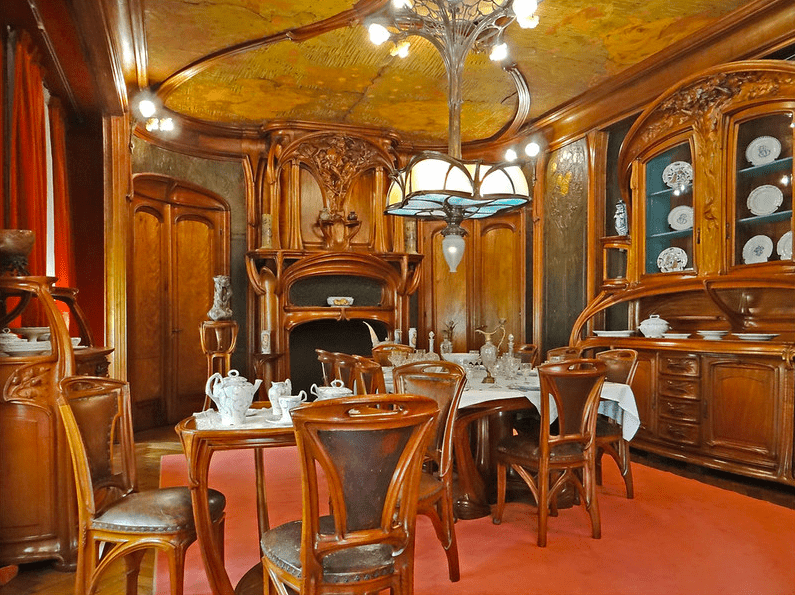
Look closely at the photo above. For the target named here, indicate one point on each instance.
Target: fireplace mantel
(293, 286)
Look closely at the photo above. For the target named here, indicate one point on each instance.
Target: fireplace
(293, 287)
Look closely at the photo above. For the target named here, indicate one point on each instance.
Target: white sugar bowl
(654, 327)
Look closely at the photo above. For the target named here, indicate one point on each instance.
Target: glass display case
(762, 206)
(669, 211)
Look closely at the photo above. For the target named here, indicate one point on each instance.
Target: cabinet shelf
(668, 235)
(771, 218)
(773, 166)
(669, 192)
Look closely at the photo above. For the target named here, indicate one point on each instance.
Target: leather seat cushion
(526, 447)
(166, 509)
(282, 546)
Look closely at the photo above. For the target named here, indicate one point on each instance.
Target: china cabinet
(38, 514)
(706, 171)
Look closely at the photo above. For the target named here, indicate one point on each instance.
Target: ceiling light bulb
(147, 108)
(453, 249)
(398, 4)
(499, 52)
(510, 155)
(524, 8)
(378, 33)
(152, 124)
(532, 149)
(530, 22)
(401, 50)
(167, 124)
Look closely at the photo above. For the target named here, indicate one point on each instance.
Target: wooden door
(179, 241)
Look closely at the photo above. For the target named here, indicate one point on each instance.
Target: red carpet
(677, 536)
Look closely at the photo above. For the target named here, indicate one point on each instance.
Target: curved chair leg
(626, 467)
(591, 502)
(449, 540)
(599, 452)
(176, 566)
(133, 563)
(502, 472)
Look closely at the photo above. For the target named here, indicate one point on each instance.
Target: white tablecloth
(617, 399)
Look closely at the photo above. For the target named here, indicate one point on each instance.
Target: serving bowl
(711, 335)
(339, 300)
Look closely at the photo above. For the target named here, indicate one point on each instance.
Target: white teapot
(337, 389)
(654, 327)
(232, 395)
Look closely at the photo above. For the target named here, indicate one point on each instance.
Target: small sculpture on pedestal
(222, 298)
(620, 218)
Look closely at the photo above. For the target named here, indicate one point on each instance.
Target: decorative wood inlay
(30, 383)
(566, 178)
(336, 160)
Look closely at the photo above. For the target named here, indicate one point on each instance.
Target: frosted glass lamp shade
(453, 250)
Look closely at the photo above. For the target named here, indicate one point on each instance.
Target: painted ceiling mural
(339, 76)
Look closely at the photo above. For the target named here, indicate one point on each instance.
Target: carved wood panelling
(565, 242)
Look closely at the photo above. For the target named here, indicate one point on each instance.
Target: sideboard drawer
(680, 409)
(681, 433)
(682, 388)
(679, 365)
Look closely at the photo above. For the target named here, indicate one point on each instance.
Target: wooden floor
(42, 579)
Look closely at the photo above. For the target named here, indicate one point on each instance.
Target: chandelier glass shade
(441, 186)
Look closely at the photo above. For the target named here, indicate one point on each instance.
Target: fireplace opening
(346, 336)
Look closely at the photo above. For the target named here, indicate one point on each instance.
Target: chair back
(370, 450)
(368, 376)
(328, 363)
(621, 364)
(527, 353)
(575, 386)
(382, 351)
(559, 354)
(96, 415)
(444, 382)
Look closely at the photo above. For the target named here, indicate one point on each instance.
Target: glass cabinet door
(669, 211)
(763, 190)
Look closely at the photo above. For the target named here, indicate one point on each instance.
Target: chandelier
(441, 186)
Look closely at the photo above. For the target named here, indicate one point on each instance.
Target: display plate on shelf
(765, 199)
(677, 174)
(672, 259)
(784, 246)
(627, 333)
(757, 249)
(755, 336)
(762, 150)
(681, 218)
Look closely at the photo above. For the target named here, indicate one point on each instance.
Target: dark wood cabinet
(37, 497)
(710, 249)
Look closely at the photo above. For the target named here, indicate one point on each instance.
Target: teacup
(337, 389)
(289, 402)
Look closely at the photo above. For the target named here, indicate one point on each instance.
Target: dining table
(476, 433)
(201, 435)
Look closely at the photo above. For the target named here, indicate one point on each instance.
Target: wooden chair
(560, 354)
(621, 366)
(370, 450)
(328, 363)
(116, 520)
(527, 353)
(362, 375)
(444, 382)
(382, 352)
(574, 386)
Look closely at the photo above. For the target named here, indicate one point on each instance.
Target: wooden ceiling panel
(338, 76)
(341, 77)
(181, 31)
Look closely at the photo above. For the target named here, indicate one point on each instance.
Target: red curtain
(64, 256)
(28, 163)
(2, 131)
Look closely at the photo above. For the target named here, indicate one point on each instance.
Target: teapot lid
(234, 376)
